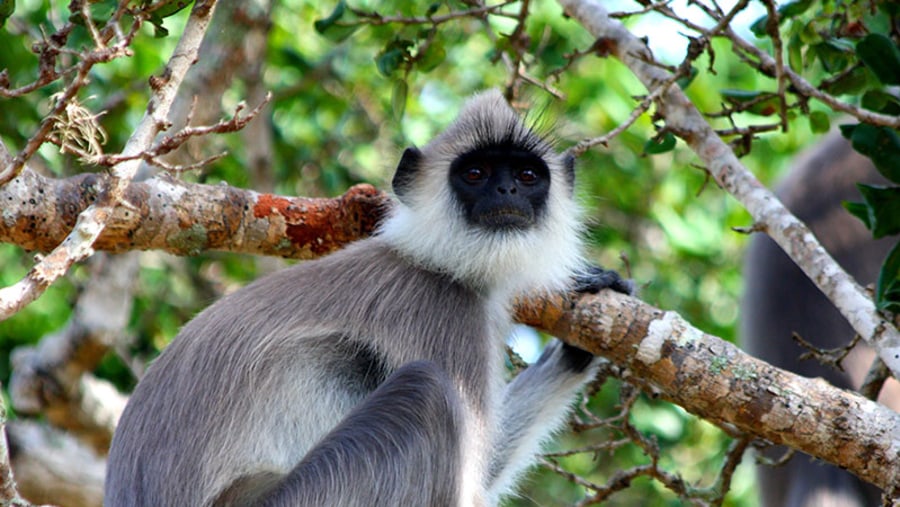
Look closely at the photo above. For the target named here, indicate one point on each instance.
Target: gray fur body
(275, 385)
(371, 377)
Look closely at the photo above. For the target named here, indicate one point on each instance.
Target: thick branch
(717, 381)
(166, 214)
(683, 119)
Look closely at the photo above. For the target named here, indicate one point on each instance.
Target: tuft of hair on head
(486, 120)
(428, 226)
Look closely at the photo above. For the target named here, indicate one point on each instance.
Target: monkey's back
(779, 300)
(319, 327)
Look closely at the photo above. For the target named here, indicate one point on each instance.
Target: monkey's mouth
(505, 219)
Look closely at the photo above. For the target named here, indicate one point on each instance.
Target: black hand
(595, 278)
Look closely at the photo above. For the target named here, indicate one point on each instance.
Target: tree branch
(167, 214)
(683, 119)
(718, 382)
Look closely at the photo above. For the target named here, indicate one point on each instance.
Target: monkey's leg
(400, 446)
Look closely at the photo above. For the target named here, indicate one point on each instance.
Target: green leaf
(880, 101)
(793, 9)
(847, 130)
(833, 58)
(766, 107)
(7, 7)
(795, 53)
(809, 34)
(860, 211)
(171, 8)
(788, 10)
(337, 33)
(851, 84)
(842, 45)
(881, 144)
(659, 145)
(887, 288)
(398, 98)
(393, 56)
(100, 12)
(881, 55)
(685, 81)
(329, 27)
(389, 61)
(159, 31)
(883, 208)
(819, 122)
(738, 96)
(323, 24)
(759, 26)
(434, 56)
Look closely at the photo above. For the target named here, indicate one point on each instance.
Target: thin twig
(586, 144)
(777, 47)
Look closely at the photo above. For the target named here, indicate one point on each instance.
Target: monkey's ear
(406, 172)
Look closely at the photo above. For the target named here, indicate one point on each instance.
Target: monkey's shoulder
(361, 289)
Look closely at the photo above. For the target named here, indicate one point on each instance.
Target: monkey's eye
(527, 175)
(474, 174)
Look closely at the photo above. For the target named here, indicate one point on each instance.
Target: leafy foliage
(887, 291)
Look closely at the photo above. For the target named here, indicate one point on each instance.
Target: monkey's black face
(501, 188)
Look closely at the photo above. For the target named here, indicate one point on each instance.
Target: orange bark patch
(304, 224)
(268, 204)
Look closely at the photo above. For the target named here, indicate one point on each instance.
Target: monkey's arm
(537, 402)
(595, 278)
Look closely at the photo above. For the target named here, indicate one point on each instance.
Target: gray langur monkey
(373, 376)
(779, 300)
